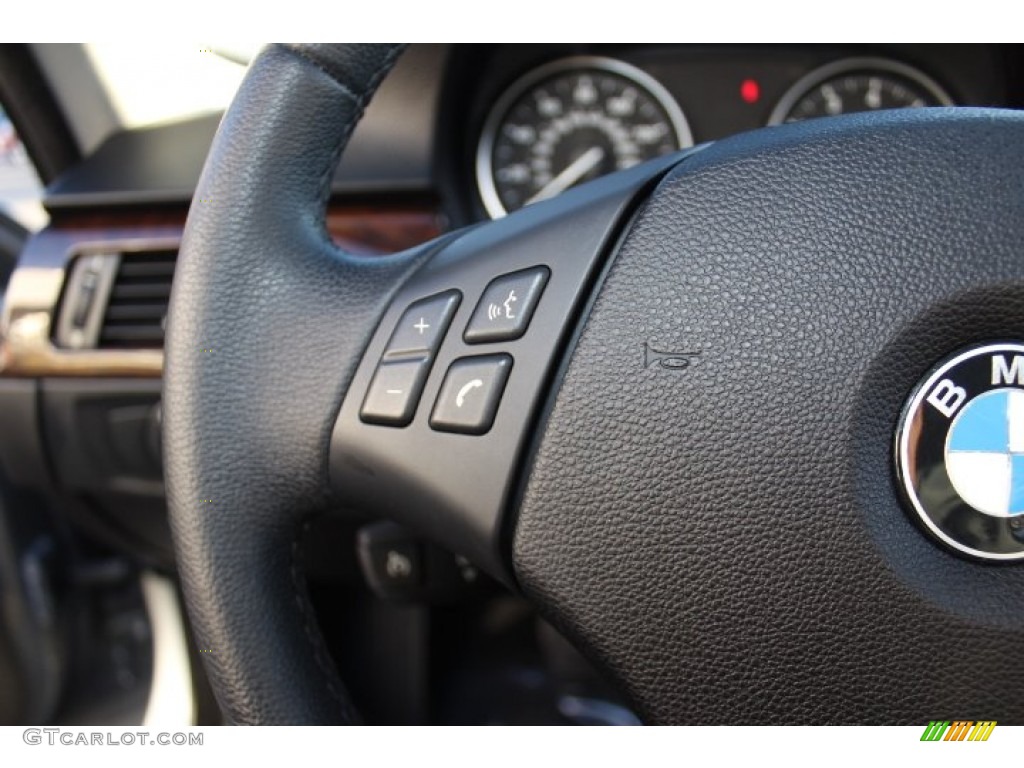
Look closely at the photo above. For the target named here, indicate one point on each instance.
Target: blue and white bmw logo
(960, 452)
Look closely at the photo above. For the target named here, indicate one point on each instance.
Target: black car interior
(473, 402)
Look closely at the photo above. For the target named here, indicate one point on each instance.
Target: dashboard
(462, 129)
(456, 135)
(524, 122)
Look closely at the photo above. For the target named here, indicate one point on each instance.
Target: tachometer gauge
(571, 121)
(858, 85)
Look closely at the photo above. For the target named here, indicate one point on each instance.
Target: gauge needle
(572, 173)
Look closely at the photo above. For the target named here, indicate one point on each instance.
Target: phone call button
(469, 396)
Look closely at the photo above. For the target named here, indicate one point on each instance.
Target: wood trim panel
(373, 232)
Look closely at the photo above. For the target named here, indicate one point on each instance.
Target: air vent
(116, 300)
(137, 306)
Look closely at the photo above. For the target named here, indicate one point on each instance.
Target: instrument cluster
(565, 119)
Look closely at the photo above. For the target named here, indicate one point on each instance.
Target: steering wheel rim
(235, 536)
(615, 536)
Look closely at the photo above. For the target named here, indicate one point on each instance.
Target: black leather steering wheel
(685, 462)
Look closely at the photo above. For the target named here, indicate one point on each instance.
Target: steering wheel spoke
(440, 412)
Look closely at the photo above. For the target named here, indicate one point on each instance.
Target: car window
(21, 190)
(193, 79)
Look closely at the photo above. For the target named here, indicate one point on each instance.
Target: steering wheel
(661, 406)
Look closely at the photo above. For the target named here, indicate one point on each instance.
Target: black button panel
(397, 384)
(395, 391)
(450, 470)
(469, 396)
(506, 307)
(423, 325)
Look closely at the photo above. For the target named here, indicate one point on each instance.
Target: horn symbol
(670, 361)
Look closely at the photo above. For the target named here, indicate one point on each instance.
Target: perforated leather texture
(726, 538)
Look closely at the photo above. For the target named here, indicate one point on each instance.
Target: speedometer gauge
(571, 121)
(858, 85)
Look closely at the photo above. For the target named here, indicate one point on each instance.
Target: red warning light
(750, 91)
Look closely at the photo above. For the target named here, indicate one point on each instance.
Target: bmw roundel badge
(960, 452)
